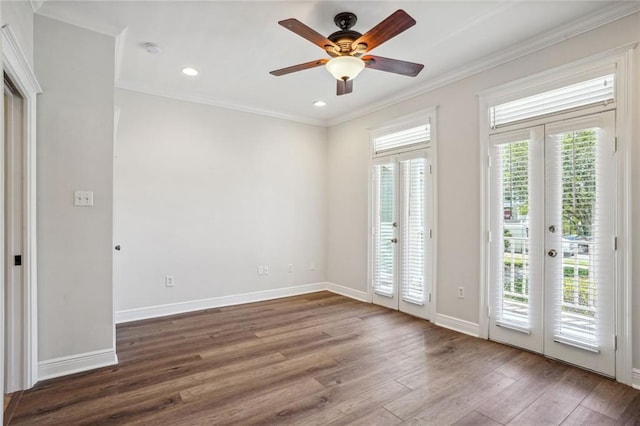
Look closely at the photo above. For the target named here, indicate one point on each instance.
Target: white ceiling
(234, 45)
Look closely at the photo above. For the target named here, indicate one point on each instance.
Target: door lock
(552, 253)
(394, 240)
(552, 229)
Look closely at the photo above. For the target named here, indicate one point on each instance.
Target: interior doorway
(553, 213)
(401, 232)
(14, 237)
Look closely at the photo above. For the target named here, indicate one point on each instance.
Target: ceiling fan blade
(299, 67)
(392, 65)
(393, 25)
(304, 31)
(344, 87)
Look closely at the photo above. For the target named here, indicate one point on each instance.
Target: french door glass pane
(413, 238)
(586, 212)
(514, 271)
(384, 217)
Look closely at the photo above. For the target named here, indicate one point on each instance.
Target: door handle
(394, 240)
(552, 229)
(117, 247)
(552, 253)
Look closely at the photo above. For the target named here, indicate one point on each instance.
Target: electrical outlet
(168, 280)
(290, 269)
(266, 269)
(460, 292)
(83, 198)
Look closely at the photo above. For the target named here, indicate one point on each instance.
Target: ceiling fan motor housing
(345, 37)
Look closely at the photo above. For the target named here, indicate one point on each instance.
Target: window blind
(579, 95)
(412, 281)
(409, 137)
(581, 165)
(383, 229)
(511, 246)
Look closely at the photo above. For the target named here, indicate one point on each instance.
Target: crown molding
(36, 5)
(119, 53)
(595, 20)
(14, 57)
(220, 103)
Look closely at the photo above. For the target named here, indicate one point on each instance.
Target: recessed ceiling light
(190, 71)
(320, 103)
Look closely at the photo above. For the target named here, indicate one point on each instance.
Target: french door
(552, 244)
(401, 233)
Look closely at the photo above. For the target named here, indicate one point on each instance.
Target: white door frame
(15, 64)
(622, 58)
(428, 115)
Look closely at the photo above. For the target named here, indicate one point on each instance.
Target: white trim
(555, 77)
(426, 115)
(361, 296)
(136, 314)
(120, 41)
(17, 67)
(434, 212)
(220, 103)
(457, 324)
(483, 294)
(564, 32)
(636, 378)
(624, 228)
(77, 363)
(15, 59)
(36, 5)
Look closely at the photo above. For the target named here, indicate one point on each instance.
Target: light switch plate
(83, 198)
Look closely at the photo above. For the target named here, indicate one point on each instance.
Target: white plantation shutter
(383, 229)
(600, 90)
(581, 168)
(413, 137)
(412, 280)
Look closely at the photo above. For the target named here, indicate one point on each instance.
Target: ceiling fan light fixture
(345, 67)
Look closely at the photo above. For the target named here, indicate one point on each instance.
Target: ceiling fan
(347, 48)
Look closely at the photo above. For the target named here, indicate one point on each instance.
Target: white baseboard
(65, 365)
(362, 296)
(462, 326)
(635, 380)
(214, 302)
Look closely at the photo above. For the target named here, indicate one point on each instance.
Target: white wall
(19, 15)
(75, 152)
(458, 173)
(207, 194)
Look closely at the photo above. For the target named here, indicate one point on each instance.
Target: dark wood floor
(320, 359)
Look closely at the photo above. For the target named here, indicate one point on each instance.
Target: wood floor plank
(379, 417)
(475, 418)
(631, 416)
(319, 358)
(555, 405)
(449, 405)
(610, 399)
(583, 416)
(506, 405)
(245, 407)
